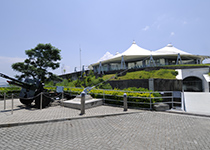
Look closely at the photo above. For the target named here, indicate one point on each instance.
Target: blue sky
(98, 26)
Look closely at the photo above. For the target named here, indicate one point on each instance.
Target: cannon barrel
(16, 82)
(30, 91)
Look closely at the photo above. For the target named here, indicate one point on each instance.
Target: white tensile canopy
(136, 53)
(133, 52)
(106, 56)
(170, 49)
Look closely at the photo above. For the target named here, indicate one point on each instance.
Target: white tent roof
(134, 52)
(134, 49)
(106, 56)
(170, 49)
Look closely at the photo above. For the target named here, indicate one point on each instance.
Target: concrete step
(76, 102)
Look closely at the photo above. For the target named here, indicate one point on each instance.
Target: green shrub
(72, 90)
(135, 89)
(140, 96)
(50, 88)
(10, 89)
(85, 81)
(134, 95)
(50, 83)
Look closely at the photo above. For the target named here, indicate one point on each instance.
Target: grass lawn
(160, 74)
(187, 65)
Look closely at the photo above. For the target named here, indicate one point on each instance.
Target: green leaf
(40, 59)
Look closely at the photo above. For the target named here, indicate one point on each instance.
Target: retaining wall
(167, 85)
(154, 84)
(122, 84)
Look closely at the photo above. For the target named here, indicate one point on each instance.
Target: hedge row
(12, 89)
(136, 96)
(142, 97)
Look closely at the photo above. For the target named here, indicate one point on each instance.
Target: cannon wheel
(45, 100)
(26, 102)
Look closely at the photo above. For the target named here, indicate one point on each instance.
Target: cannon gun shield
(30, 91)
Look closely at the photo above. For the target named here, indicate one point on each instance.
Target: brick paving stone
(22, 114)
(139, 131)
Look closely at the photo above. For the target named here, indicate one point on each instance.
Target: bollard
(62, 99)
(125, 102)
(150, 101)
(103, 97)
(4, 101)
(82, 103)
(12, 104)
(172, 100)
(41, 101)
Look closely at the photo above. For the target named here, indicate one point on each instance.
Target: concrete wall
(122, 84)
(196, 72)
(206, 83)
(197, 102)
(167, 85)
(152, 84)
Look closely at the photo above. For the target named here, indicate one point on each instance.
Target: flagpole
(80, 58)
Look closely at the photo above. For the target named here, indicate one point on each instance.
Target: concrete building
(195, 79)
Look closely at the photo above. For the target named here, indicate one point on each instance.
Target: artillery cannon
(31, 90)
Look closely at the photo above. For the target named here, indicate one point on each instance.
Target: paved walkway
(138, 131)
(22, 115)
(101, 128)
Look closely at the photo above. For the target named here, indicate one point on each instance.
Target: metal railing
(144, 102)
(166, 97)
(11, 96)
(173, 98)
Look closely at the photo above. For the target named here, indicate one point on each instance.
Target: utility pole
(80, 57)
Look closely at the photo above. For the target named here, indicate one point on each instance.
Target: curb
(62, 119)
(186, 113)
(94, 116)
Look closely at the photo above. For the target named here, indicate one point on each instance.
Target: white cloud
(160, 20)
(145, 28)
(172, 33)
(5, 66)
(10, 60)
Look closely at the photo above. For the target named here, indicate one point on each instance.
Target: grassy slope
(187, 65)
(161, 74)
